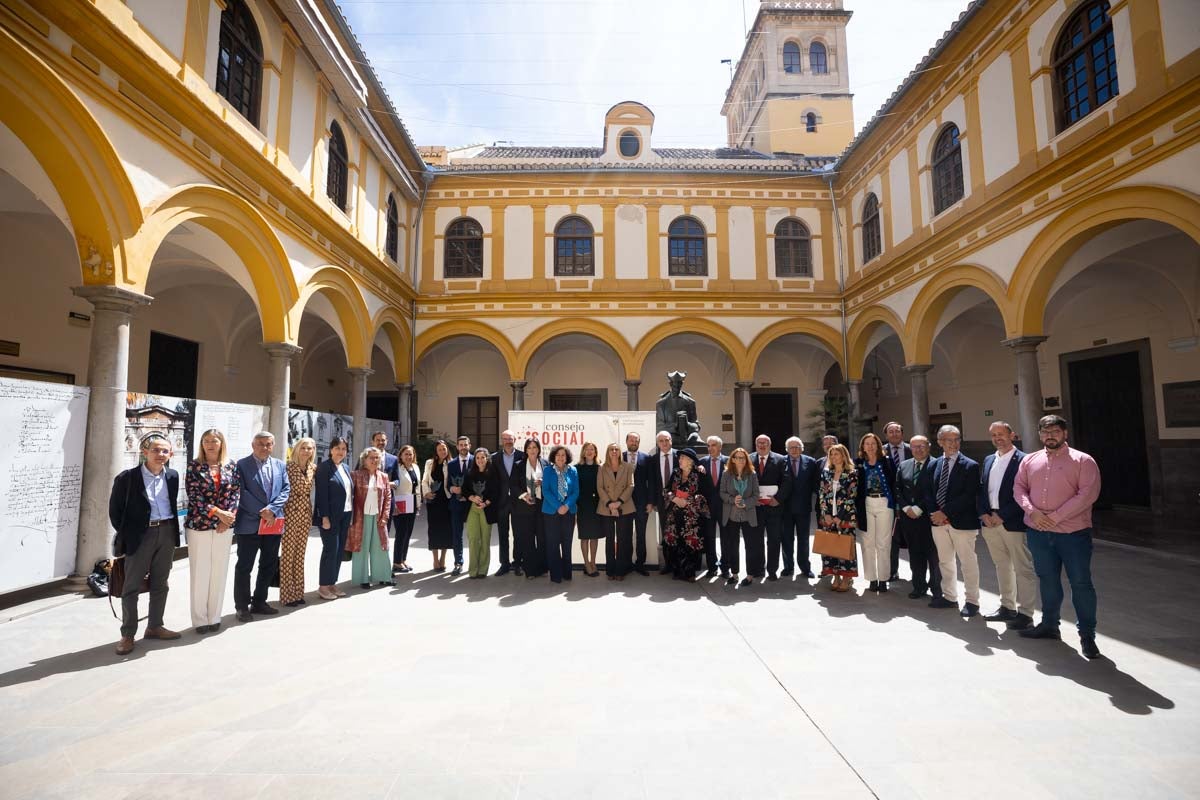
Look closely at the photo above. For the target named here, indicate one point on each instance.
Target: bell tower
(791, 88)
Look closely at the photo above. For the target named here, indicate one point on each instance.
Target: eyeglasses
(160, 451)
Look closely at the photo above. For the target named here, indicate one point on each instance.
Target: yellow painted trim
(723, 338)
(1023, 100)
(346, 297)
(539, 242)
(195, 36)
(861, 332)
(1029, 288)
(609, 237)
(974, 141)
(760, 247)
(562, 327)
(722, 243)
(466, 327)
(931, 301)
(497, 243)
(653, 250)
(825, 335)
(397, 328)
(1149, 61)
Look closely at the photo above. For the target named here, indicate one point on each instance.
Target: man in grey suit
(265, 488)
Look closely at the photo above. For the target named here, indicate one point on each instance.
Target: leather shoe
(504, 570)
(882, 587)
(941, 602)
(1042, 631)
(645, 573)
(664, 570)
(518, 571)
(810, 574)
(771, 576)
(125, 646)
(915, 595)
(160, 633)
(786, 572)
(731, 580)
(244, 615)
(265, 609)
(203, 629)
(457, 570)
(214, 627)
(1020, 622)
(969, 610)
(747, 581)
(873, 587)
(1001, 614)
(1088, 645)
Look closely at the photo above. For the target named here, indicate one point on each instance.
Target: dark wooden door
(772, 413)
(479, 418)
(173, 365)
(1108, 422)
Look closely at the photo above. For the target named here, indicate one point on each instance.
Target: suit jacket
(331, 494)
(611, 487)
(491, 489)
(458, 476)
(518, 486)
(498, 464)
(255, 497)
(360, 483)
(912, 491)
(905, 452)
(961, 494)
(641, 480)
(552, 499)
(129, 508)
(404, 485)
(391, 465)
(657, 487)
(1010, 512)
(775, 473)
(802, 497)
(729, 492)
(710, 483)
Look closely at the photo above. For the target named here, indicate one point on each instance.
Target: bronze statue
(675, 413)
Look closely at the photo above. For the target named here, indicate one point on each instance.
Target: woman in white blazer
(406, 495)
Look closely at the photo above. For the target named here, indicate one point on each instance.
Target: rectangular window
(479, 418)
(173, 366)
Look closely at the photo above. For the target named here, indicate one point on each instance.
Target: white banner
(42, 468)
(238, 422)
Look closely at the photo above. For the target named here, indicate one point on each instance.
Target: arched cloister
(593, 329)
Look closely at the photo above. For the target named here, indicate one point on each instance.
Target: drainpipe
(841, 261)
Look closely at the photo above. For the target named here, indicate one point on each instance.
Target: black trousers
(403, 525)
(154, 555)
(618, 544)
(503, 520)
(794, 528)
(774, 526)
(641, 520)
(752, 537)
(560, 531)
(266, 550)
(922, 555)
(712, 532)
(529, 547)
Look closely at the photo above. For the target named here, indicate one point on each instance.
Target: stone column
(104, 447)
(518, 390)
(404, 414)
(1029, 387)
(280, 391)
(920, 397)
(631, 395)
(853, 413)
(743, 431)
(358, 403)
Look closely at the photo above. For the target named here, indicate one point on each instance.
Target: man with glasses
(1056, 487)
(955, 524)
(142, 509)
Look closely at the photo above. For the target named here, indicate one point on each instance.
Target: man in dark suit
(827, 441)
(955, 521)
(456, 470)
(265, 488)
(502, 463)
(1003, 525)
(712, 467)
(142, 510)
(641, 497)
(797, 512)
(662, 464)
(914, 480)
(899, 452)
(772, 470)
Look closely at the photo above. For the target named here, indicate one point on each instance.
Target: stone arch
(588, 327)
(824, 335)
(343, 293)
(1029, 289)
(245, 230)
(931, 301)
(70, 146)
(464, 327)
(720, 335)
(861, 331)
(396, 328)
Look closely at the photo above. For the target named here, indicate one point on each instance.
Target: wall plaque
(1181, 404)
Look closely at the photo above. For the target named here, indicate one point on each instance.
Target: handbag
(116, 581)
(834, 545)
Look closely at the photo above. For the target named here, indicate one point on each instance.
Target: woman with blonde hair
(297, 521)
(614, 491)
(408, 482)
(213, 490)
(372, 506)
(836, 501)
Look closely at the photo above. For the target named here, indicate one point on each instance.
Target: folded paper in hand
(405, 504)
(765, 493)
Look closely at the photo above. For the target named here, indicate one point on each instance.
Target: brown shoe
(125, 646)
(160, 633)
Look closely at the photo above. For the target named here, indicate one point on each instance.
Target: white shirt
(533, 472)
(344, 477)
(996, 477)
(371, 503)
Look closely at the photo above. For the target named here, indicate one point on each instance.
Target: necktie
(896, 455)
(716, 469)
(795, 467)
(944, 482)
(666, 462)
(762, 463)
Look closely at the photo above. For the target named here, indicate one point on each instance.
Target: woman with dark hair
(560, 493)
(739, 513)
(406, 485)
(332, 515)
(435, 487)
(482, 490)
(875, 509)
(525, 493)
(588, 520)
(683, 541)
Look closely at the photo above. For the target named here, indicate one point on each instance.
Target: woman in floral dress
(682, 537)
(837, 497)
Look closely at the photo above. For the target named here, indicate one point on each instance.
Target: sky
(544, 72)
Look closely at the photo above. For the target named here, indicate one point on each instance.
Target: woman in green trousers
(482, 490)
(371, 509)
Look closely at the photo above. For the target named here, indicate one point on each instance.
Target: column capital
(856, 382)
(743, 384)
(518, 384)
(404, 387)
(633, 382)
(1024, 344)
(361, 372)
(917, 369)
(282, 350)
(112, 298)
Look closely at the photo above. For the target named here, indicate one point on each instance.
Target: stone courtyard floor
(508, 688)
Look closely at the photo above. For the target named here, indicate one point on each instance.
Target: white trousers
(953, 542)
(208, 566)
(876, 542)
(1014, 569)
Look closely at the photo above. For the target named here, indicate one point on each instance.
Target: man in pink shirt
(1056, 488)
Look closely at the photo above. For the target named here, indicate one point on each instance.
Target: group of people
(1034, 511)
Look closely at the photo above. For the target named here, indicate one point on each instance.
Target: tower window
(630, 144)
(810, 122)
(791, 58)
(818, 61)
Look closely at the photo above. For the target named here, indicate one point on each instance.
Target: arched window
(339, 174)
(810, 122)
(947, 170)
(392, 240)
(687, 251)
(791, 58)
(573, 253)
(818, 61)
(1085, 64)
(793, 250)
(464, 249)
(871, 241)
(239, 60)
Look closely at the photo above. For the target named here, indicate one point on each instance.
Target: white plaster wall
(612, 151)
(631, 242)
(165, 20)
(301, 146)
(518, 242)
(1123, 45)
(741, 242)
(575, 368)
(901, 301)
(998, 117)
(1180, 28)
(373, 221)
(1178, 171)
(899, 204)
(1002, 257)
(20, 163)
